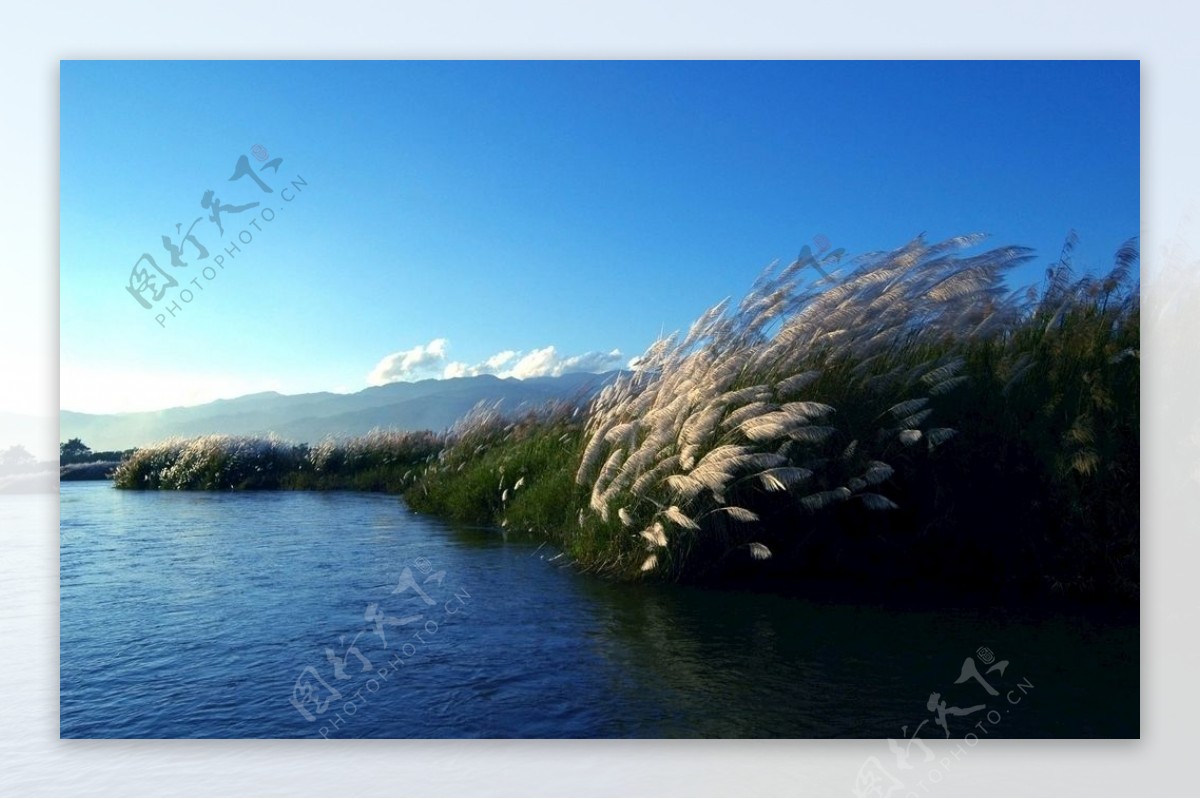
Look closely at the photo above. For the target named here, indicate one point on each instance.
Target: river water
(346, 615)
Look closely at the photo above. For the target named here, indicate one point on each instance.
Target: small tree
(16, 455)
(72, 451)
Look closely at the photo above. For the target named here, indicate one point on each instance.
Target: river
(346, 615)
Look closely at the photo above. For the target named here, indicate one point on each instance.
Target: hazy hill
(427, 404)
(36, 433)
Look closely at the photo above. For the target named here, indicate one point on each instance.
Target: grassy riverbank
(914, 425)
(908, 422)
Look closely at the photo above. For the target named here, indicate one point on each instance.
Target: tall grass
(382, 460)
(514, 471)
(904, 418)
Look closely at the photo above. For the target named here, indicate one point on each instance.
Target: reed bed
(905, 419)
(514, 470)
(902, 421)
(383, 460)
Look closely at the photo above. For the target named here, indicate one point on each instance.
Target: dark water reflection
(198, 615)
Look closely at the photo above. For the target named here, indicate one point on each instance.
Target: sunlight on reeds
(801, 397)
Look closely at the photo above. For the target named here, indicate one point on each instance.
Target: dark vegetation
(77, 461)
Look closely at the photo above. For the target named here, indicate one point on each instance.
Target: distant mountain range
(423, 405)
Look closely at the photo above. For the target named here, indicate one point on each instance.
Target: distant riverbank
(102, 470)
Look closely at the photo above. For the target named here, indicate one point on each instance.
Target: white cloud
(545, 362)
(592, 362)
(498, 360)
(431, 361)
(456, 369)
(538, 363)
(421, 361)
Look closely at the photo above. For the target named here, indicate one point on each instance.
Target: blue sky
(457, 213)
